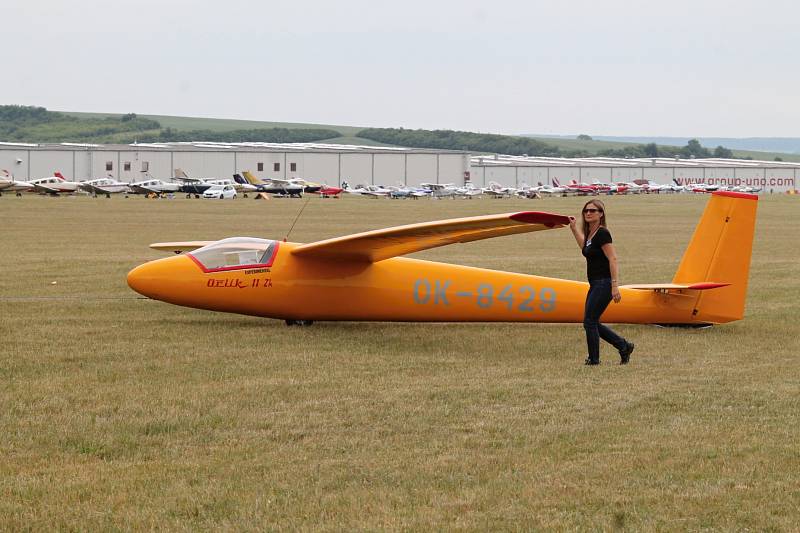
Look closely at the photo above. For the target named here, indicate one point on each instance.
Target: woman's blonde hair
(599, 205)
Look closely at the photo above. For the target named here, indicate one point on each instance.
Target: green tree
(584, 137)
(722, 152)
(651, 150)
(694, 149)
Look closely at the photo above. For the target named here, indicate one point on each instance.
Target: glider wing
(179, 247)
(373, 246)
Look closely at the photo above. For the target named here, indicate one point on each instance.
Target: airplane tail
(179, 173)
(719, 252)
(556, 182)
(239, 179)
(58, 175)
(251, 179)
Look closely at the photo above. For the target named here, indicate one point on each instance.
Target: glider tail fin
(720, 252)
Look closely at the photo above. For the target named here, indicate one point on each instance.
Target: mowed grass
(124, 413)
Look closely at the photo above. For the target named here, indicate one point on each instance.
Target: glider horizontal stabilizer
(676, 287)
(377, 245)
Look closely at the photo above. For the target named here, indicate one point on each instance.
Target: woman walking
(594, 239)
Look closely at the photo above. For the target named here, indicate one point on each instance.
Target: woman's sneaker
(591, 361)
(625, 353)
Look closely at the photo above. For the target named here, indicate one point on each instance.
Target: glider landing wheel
(299, 322)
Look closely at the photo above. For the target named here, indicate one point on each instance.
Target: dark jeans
(597, 299)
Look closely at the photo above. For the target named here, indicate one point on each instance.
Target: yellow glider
(362, 277)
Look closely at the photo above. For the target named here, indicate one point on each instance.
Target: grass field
(125, 413)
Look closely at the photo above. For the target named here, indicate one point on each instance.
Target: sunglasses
(591, 210)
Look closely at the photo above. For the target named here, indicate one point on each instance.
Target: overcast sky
(683, 68)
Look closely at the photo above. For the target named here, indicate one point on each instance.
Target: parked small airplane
(495, 190)
(106, 186)
(374, 191)
(55, 184)
(551, 190)
(439, 190)
(190, 186)
(272, 186)
(326, 191)
(363, 277)
(154, 186)
(9, 184)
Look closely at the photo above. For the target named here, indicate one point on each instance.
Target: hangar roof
(201, 146)
(617, 162)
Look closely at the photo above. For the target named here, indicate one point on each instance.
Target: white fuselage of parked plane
(153, 186)
(104, 186)
(54, 185)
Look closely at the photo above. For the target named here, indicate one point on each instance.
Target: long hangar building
(328, 163)
(334, 163)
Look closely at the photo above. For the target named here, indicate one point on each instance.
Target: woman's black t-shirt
(596, 261)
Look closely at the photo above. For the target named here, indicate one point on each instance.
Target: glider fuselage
(397, 289)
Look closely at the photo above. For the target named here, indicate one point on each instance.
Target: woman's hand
(572, 223)
(615, 293)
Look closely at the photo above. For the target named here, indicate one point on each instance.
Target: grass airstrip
(125, 413)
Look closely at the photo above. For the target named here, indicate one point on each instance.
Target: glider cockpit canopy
(235, 253)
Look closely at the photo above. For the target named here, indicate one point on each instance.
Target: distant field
(124, 413)
(219, 124)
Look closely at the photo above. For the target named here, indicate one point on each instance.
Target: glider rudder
(719, 252)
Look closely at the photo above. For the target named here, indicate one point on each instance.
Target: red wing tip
(537, 217)
(732, 194)
(708, 285)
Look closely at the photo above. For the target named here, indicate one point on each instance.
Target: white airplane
(105, 186)
(374, 191)
(153, 186)
(631, 187)
(495, 190)
(9, 184)
(55, 184)
(468, 191)
(746, 189)
(551, 190)
(439, 190)
(404, 191)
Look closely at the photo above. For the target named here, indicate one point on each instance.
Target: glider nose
(141, 279)
(165, 279)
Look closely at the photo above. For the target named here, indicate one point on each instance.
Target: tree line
(272, 135)
(512, 145)
(37, 124)
(462, 140)
(693, 149)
